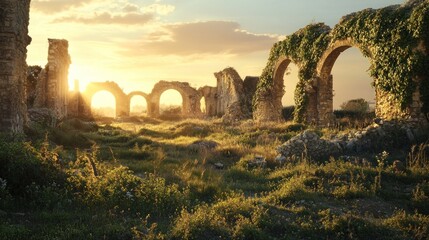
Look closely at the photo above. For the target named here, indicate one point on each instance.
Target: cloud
(55, 6)
(160, 9)
(131, 18)
(131, 8)
(212, 37)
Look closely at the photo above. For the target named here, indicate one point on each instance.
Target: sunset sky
(136, 43)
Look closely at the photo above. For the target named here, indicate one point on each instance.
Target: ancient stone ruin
(233, 102)
(190, 98)
(231, 98)
(402, 95)
(14, 39)
(397, 65)
(372, 139)
(51, 93)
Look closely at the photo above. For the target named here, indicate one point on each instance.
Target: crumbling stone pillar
(325, 100)
(14, 39)
(52, 91)
(232, 102)
(57, 77)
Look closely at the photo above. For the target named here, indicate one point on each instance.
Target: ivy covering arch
(397, 36)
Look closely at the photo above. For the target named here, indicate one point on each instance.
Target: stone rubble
(373, 139)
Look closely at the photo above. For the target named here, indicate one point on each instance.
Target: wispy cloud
(56, 6)
(131, 18)
(212, 37)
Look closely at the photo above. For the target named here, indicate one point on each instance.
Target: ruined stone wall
(388, 108)
(14, 39)
(231, 99)
(52, 91)
(57, 77)
(210, 97)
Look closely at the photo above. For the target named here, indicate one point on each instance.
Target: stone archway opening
(290, 80)
(103, 104)
(171, 102)
(348, 87)
(203, 105)
(138, 106)
(351, 79)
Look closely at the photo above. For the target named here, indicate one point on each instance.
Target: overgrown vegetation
(389, 37)
(161, 180)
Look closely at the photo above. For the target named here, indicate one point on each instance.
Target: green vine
(391, 34)
(389, 37)
(304, 48)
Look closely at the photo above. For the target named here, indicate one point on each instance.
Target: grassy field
(144, 178)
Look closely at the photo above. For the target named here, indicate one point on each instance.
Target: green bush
(96, 184)
(22, 165)
(349, 226)
(411, 226)
(287, 113)
(203, 223)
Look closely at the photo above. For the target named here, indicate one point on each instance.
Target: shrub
(288, 113)
(22, 165)
(359, 106)
(412, 226)
(96, 184)
(203, 223)
(349, 226)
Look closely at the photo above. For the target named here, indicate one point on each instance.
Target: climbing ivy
(388, 36)
(304, 48)
(391, 34)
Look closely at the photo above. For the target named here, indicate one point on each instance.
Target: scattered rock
(203, 145)
(258, 161)
(280, 159)
(309, 144)
(383, 136)
(219, 165)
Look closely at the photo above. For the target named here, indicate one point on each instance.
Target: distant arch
(141, 94)
(121, 99)
(190, 98)
(210, 100)
(169, 99)
(103, 104)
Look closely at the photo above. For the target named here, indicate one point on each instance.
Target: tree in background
(359, 105)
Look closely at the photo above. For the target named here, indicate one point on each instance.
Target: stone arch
(210, 97)
(121, 99)
(325, 84)
(190, 98)
(141, 94)
(270, 105)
